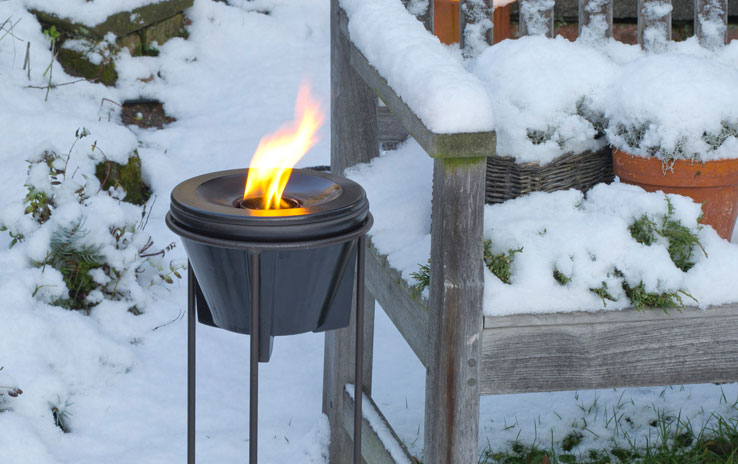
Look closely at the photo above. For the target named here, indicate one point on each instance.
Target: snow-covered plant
(691, 114)
(498, 264)
(547, 96)
(681, 241)
(60, 413)
(8, 389)
(88, 243)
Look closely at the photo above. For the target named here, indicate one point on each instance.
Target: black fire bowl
(307, 253)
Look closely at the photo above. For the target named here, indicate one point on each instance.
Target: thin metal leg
(190, 365)
(359, 360)
(254, 377)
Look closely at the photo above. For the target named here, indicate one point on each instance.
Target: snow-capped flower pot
(712, 183)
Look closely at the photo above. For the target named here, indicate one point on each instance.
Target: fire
(278, 153)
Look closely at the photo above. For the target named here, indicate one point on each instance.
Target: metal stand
(254, 362)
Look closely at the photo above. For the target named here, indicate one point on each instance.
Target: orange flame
(278, 153)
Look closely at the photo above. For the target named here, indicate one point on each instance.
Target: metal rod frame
(254, 348)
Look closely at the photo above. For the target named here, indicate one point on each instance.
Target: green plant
(74, 259)
(499, 264)
(16, 236)
(680, 239)
(52, 35)
(603, 293)
(560, 277)
(89, 267)
(422, 277)
(641, 299)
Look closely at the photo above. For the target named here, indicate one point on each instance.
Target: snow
(422, 71)
(711, 23)
(553, 97)
(596, 29)
(585, 238)
(380, 429)
(534, 14)
(122, 377)
(536, 84)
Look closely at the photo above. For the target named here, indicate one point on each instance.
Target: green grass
(676, 443)
(718, 445)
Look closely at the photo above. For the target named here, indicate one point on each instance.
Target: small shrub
(499, 264)
(571, 440)
(681, 240)
(603, 293)
(115, 263)
(643, 230)
(641, 299)
(422, 277)
(560, 277)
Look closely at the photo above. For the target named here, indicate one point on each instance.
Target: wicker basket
(507, 179)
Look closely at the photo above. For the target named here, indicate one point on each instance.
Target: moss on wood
(121, 24)
(127, 176)
(77, 63)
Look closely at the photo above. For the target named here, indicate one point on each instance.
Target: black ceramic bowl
(307, 252)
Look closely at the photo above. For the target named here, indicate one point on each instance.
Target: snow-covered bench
(379, 49)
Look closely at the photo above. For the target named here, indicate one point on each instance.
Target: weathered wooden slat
(353, 140)
(455, 312)
(582, 350)
(391, 131)
(353, 135)
(711, 22)
(407, 312)
(654, 24)
(537, 17)
(595, 19)
(373, 449)
(459, 145)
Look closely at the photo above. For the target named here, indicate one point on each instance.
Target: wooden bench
(466, 354)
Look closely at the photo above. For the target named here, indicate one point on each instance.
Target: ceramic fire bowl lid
(322, 205)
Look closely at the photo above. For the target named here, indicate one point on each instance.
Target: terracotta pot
(713, 183)
(446, 20)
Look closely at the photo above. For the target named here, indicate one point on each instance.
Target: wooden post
(711, 22)
(654, 24)
(478, 13)
(595, 19)
(353, 130)
(455, 312)
(537, 17)
(353, 141)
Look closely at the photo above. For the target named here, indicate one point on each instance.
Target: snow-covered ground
(121, 378)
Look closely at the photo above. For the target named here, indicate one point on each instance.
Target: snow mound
(422, 71)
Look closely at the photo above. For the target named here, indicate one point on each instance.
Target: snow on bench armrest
(422, 71)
